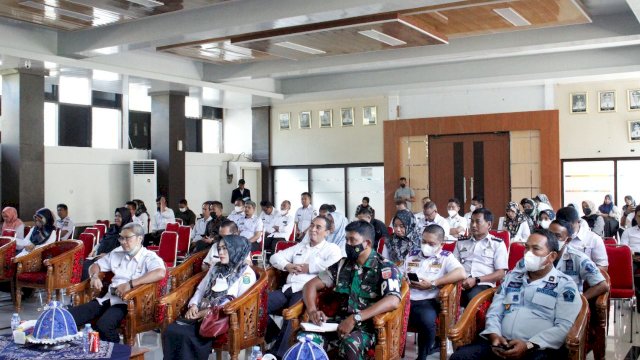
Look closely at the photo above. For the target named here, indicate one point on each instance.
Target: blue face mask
(134, 251)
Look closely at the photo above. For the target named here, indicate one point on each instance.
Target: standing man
(304, 215)
(483, 257)
(187, 216)
(240, 192)
(405, 193)
(64, 222)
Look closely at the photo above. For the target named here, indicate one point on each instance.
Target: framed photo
(346, 116)
(578, 103)
(285, 121)
(633, 99)
(304, 120)
(607, 101)
(326, 118)
(634, 130)
(369, 115)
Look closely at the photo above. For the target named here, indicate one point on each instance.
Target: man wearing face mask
(431, 216)
(532, 311)
(477, 202)
(584, 239)
(132, 265)
(457, 224)
(238, 211)
(187, 216)
(434, 268)
(365, 285)
(282, 226)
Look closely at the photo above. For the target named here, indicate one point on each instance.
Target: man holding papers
(364, 285)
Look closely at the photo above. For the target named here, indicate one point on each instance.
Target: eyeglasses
(126, 238)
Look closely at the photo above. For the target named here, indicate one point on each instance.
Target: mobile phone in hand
(413, 277)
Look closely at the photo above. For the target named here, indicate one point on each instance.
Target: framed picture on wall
(633, 99)
(369, 115)
(304, 120)
(607, 101)
(326, 118)
(285, 121)
(634, 130)
(578, 103)
(346, 116)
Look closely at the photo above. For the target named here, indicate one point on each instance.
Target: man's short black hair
(266, 203)
(364, 211)
(366, 198)
(552, 241)
(436, 230)
(363, 228)
(328, 221)
(565, 224)
(241, 200)
(486, 214)
(569, 214)
(479, 199)
(328, 208)
(231, 225)
(241, 182)
(216, 203)
(132, 204)
(306, 193)
(430, 205)
(455, 201)
(403, 178)
(182, 202)
(62, 206)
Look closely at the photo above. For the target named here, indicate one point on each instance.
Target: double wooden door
(464, 166)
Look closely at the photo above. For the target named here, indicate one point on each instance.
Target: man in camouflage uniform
(364, 285)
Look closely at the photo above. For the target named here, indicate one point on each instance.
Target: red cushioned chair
(502, 234)
(380, 245)
(102, 229)
(610, 241)
(168, 248)
(8, 233)
(259, 255)
(26, 230)
(105, 222)
(283, 245)
(179, 221)
(95, 232)
(292, 237)
(88, 240)
(390, 230)
(516, 252)
(53, 267)
(621, 273)
(174, 226)
(58, 234)
(184, 239)
(7, 268)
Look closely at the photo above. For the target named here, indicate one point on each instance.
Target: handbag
(216, 322)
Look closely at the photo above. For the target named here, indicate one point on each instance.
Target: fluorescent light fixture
(102, 75)
(512, 16)
(382, 37)
(147, 3)
(49, 65)
(49, 10)
(301, 48)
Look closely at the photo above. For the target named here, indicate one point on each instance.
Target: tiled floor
(618, 345)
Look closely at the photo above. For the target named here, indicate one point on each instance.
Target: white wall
(237, 127)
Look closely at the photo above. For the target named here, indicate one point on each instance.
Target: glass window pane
(366, 181)
(139, 100)
(328, 187)
(211, 136)
(587, 180)
(289, 184)
(192, 108)
(75, 90)
(628, 174)
(50, 124)
(105, 128)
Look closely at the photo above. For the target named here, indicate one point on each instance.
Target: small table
(11, 351)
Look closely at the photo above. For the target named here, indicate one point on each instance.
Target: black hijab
(110, 240)
(238, 248)
(40, 235)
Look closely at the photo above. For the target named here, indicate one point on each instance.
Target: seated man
(584, 239)
(483, 256)
(132, 265)
(198, 241)
(187, 216)
(228, 227)
(431, 216)
(532, 311)
(365, 283)
(282, 227)
(163, 216)
(238, 211)
(64, 223)
(303, 262)
(380, 228)
(250, 226)
(212, 235)
(457, 223)
(434, 268)
(268, 216)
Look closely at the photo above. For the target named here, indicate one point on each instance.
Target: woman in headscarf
(518, 224)
(405, 237)
(110, 240)
(542, 203)
(608, 208)
(545, 217)
(628, 212)
(11, 221)
(529, 208)
(229, 278)
(42, 233)
(595, 221)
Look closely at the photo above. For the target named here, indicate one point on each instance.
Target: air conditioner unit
(144, 183)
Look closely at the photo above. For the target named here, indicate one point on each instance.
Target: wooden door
(463, 166)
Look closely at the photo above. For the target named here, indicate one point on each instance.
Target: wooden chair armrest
(272, 278)
(29, 262)
(576, 336)
(464, 331)
(139, 291)
(294, 311)
(179, 297)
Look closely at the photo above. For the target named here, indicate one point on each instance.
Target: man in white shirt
(304, 215)
(251, 227)
(584, 239)
(419, 215)
(132, 265)
(631, 236)
(282, 227)
(477, 202)
(200, 228)
(163, 216)
(303, 262)
(457, 223)
(268, 216)
(64, 222)
(431, 216)
(238, 211)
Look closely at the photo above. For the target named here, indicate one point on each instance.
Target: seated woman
(595, 220)
(42, 233)
(432, 268)
(518, 224)
(110, 240)
(545, 217)
(141, 216)
(231, 276)
(405, 238)
(12, 222)
(611, 215)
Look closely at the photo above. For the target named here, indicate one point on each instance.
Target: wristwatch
(531, 346)
(358, 318)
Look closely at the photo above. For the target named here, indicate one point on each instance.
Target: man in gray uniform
(532, 311)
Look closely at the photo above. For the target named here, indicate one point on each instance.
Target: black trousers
(423, 318)
(109, 318)
(481, 350)
(467, 295)
(279, 300)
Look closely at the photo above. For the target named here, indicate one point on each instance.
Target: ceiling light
(382, 37)
(147, 3)
(298, 47)
(57, 11)
(512, 16)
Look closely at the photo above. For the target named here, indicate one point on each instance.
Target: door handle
(471, 187)
(464, 190)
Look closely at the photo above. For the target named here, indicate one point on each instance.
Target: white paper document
(325, 327)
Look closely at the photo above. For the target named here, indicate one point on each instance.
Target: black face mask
(586, 211)
(402, 185)
(353, 251)
(528, 211)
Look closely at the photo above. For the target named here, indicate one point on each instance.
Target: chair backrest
(105, 222)
(26, 230)
(292, 237)
(502, 234)
(179, 221)
(168, 249)
(58, 234)
(620, 267)
(89, 241)
(610, 241)
(449, 246)
(516, 252)
(95, 232)
(9, 233)
(174, 226)
(282, 245)
(380, 245)
(259, 255)
(184, 238)
(390, 230)
(7, 253)
(102, 229)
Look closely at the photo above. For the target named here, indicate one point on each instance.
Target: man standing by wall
(405, 193)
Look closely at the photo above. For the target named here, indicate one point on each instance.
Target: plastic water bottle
(256, 354)
(85, 338)
(15, 321)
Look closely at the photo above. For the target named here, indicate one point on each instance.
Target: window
(192, 108)
(211, 136)
(105, 128)
(139, 100)
(75, 90)
(50, 124)
(139, 130)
